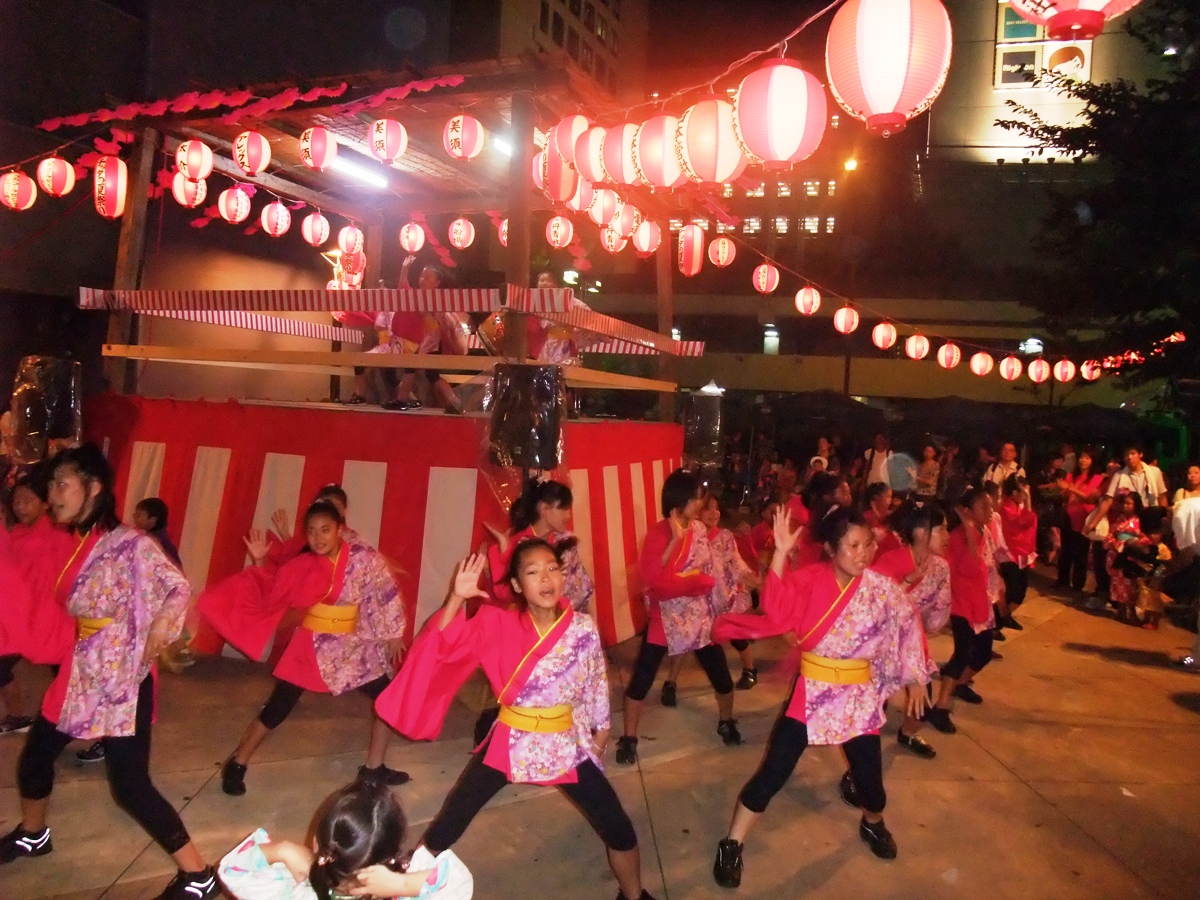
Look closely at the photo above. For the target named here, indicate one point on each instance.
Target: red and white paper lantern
(589, 155)
(605, 204)
(779, 114)
(722, 252)
(17, 191)
(559, 232)
(55, 176)
(314, 228)
(234, 205)
(318, 147)
(110, 182)
(982, 363)
(647, 237)
(883, 335)
(350, 239)
(388, 140)
(194, 159)
(887, 59)
(1064, 370)
(691, 249)
(539, 179)
(502, 233)
(581, 200)
(1010, 368)
(251, 152)
(462, 233)
(654, 154)
(611, 241)
(1039, 371)
(566, 133)
(412, 237)
(1091, 370)
(617, 150)
(559, 179)
(276, 219)
(949, 356)
(845, 319)
(1072, 20)
(808, 301)
(917, 346)
(189, 194)
(626, 220)
(707, 144)
(463, 137)
(765, 278)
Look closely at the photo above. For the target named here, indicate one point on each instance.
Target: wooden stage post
(516, 269)
(664, 273)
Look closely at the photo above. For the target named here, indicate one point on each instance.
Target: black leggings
(787, 743)
(127, 760)
(8, 662)
(286, 695)
(592, 795)
(650, 657)
(1016, 582)
(971, 651)
(739, 645)
(1073, 559)
(1100, 567)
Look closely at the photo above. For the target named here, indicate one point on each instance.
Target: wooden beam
(664, 271)
(516, 270)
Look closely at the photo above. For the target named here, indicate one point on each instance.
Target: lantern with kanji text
(462, 233)
(188, 193)
(722, 251)
(233, 204)
(808, 301)
(917, 346)
(845, 319)
(276, 219)
(55, 176)
(110, 181)
(765, 278)
(17, 191)
(318, 147)
(949, 356)
(194, 159)
(251, 152)
(463, 137)
(388, 140)
(883, 335)
(559, 232)
(691, 249)
(314, 228)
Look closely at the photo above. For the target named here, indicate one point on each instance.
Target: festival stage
(419, 485)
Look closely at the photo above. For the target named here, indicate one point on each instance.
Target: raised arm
(464, 587)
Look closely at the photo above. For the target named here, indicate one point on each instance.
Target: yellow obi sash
(834, 671)
(85, 628)
(325, 618)
(548, 720)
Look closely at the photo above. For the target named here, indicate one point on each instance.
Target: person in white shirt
(876, 461)
(1138, 477)
(1007, 465)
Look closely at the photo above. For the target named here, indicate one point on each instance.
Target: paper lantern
(1039, 371)
(251, 152)
(354, 280)
(17, 191)
(538, 178)
(887, 59)
(654, 155)
(55, 176)
(1091, 370)
(462, 233)
(559, 180)
(611, 241)
(722, 252)
(110, 181)
(845, 319)
(691, 249)
(412, 237)
(194, 159)
(707, 144)
(808, 301)
(318, 147)
(589, 155)
(626, 220)
(463, 137)
(647, 237)
(314, 228)
(559, 232)
(779, 114)
(617, 150)
(1010, 368)
(1064, 370)
(350, 239)
(502, 232)
(949, 356)
(917, 346)
(605, 204)
(581, 200)
(276, 219)
(1072, 20)
(354, 263)
(765, 278)
(234, 205)
(388, 140)
(982, 363)
(883, 335)
(188, 193)
(334, 285)
(566, 133)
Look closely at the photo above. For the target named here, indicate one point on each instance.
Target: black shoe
(997, 656)
(940, 719)
(94, 753)
(916, 744)
(748, 680)
(627, 750)
(400, 405)
(15, 724)
(727, 870)
(729, 733)
(849, 791)
(967, 694)
(1010, 622)
(383, 775)
(999, 635)
(878, 838)
(355, 400)
(20, 843)
(233, 778)
(668, 694)
(192, 886)
(644, 895)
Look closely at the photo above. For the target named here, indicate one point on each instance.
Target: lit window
(722, 228)
(812, 188)
(829, 225)
(781, 225)
(677, 224)
(752, 225)
(727, 190)
(703, 223)
(831, 188)
(784, 190)
(771, 341)
(676, 334)
(602, 28)
(833, 121)
(812, 224)
(759, 191)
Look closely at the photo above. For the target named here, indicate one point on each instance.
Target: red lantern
(188, 193)
(808, 301)
(691, 249)
(1039, 371)
(707, 144)
(539, 181)
(314, 229)
(949, 356)
(617, 150)
(234, 205)
(462, 233)
(17, 191)
(463, 137)
(626, 220)
(917, 346)
(589, 155)
(883, 335)
(1072, 20)
(982, 363)
(251, 152)
(647, 237)
(1091, 370)
(611, 241)
(1010, 368)
(654, 154)
(350, 239)
(559, 180)
(318, 147)
(502, 233)
(581, 201)
(194, 159)
(605, 204)
(276, 219)
(722, 252)
(110, 181)
(887, 59)
(766, 278)
(55, 176)
(388, 140)
(566, 133)
(355, 263)
(1064, 370)
(845, 319)
(559, 232)
(412, 237)
(779, 114)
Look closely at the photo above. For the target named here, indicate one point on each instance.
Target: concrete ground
(1078, 777)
